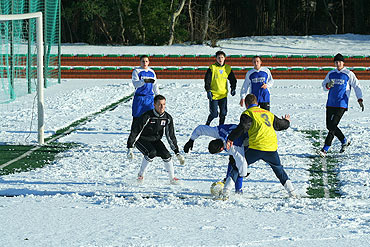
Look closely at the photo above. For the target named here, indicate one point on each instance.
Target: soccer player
(237, 166)
(339, 83)
(146, 87)
(259, 80)
(216, 87)
(260, 125)
(146, 134)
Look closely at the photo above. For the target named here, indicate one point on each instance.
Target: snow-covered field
(89, 196)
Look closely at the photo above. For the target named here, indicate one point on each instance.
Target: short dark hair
(220, 53)
(215, 146)
(159, 97)
(339, 57)
(144, 56)
(254, 57)
(250, 99)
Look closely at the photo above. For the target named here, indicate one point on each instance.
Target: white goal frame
(40, 67)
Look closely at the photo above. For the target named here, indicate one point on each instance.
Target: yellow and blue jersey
(262, 135)
(220, 75)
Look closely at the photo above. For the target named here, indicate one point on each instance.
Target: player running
(339, 83)
(259, 80)
(144, 80)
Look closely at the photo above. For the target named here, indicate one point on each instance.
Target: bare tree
(103, 28)
(173, 21)
(342, 16)
(191, 22)
(142, 28)
(205, 20)
(121, 22)
(331, 17)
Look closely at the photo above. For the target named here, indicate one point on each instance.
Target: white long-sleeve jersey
(254, 79)
(142, 88)
(221, 132)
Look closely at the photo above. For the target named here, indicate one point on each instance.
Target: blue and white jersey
(254, 79)
(142, 88)
(237, 150)
(218, 132)
(344, 80)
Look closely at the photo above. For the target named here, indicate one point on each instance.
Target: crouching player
(238, 166)
(146, 134)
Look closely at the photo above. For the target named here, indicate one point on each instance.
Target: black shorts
(153, 149)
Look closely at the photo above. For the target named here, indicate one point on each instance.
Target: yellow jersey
(262, 135)
(219, 80)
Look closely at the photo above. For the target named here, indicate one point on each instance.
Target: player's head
(220, 57)
(257, 62)
(215, 146)
(339, 61)
(144, 61)
(160, 103)
(250, 99)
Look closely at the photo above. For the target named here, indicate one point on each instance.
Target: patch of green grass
(323, 171)
(40, 157)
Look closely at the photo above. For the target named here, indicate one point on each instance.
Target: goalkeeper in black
(146, 134)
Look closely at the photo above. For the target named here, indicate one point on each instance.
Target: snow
(89, 195)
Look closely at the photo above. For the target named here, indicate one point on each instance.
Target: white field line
(325, 173)
(33, 150)
(58, 136)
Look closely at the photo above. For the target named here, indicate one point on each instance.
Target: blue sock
(239, 185)
(344, 141)
(326, 147)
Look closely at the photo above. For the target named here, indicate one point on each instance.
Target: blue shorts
(142, 104)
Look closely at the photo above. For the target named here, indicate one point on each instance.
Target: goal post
(40, 65)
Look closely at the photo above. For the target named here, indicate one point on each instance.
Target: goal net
(21, 68)
(21, 75)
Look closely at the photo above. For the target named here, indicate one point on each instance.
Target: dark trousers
(333, 117)
(153, 149)
(272, 158)
(264, 105)
(213, 111)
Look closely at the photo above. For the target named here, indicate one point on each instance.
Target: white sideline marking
(325, 173)
(62, 134)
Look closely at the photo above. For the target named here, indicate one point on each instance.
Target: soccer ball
(217, 187)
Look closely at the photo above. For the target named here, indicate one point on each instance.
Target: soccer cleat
(344, 146)
(140, 179)
(322, 153)
(290, 189)
(175, 181)
(239, 192)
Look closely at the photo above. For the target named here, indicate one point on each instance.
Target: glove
(330, 84)
(209, 95)
(360, 102)
(188, 146)
(180, 158)
(232, 92)
(149, 80)
(130, 154)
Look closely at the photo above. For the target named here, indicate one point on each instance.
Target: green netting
(18, 54)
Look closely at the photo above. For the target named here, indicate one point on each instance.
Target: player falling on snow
(237, 164)
(146, 134)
